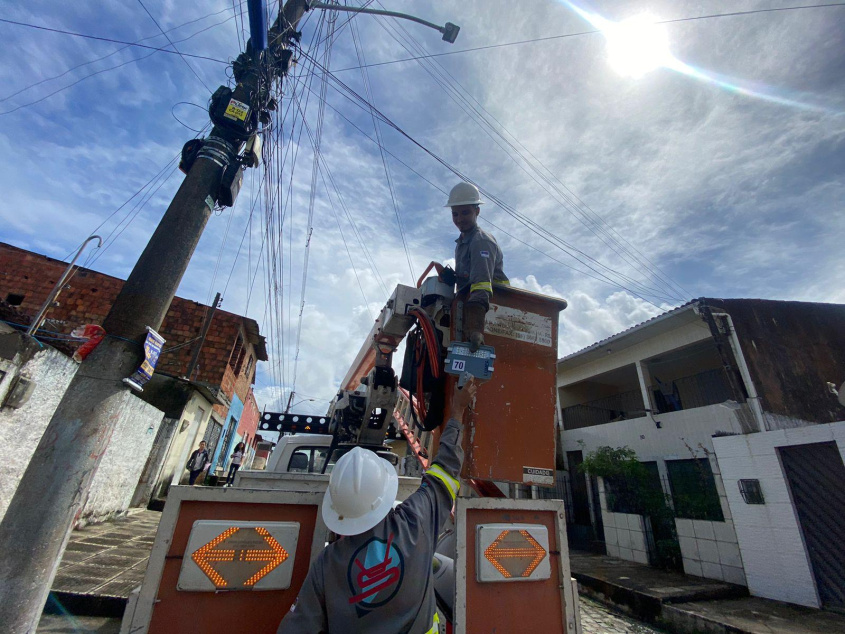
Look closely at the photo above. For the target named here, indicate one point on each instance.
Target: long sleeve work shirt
(478, 263)
(380, 582)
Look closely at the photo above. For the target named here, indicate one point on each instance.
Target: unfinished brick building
(227, 360)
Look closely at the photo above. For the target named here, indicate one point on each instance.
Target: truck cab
(307, 453)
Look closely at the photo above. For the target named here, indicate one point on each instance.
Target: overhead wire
(593, 32)
(525, 221)
(462, 98)
(111, 68)
(376, 128)
(122, 48)
(175, 48)
(331, 19)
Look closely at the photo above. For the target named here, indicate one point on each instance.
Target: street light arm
(449, 31)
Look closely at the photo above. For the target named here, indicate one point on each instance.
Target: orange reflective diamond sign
(512, 552)
(239, 556)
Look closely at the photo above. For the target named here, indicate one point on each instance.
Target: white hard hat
(361, 492)
(464, 194)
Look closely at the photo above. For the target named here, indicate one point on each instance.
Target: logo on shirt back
(484, 254)
(375, 574)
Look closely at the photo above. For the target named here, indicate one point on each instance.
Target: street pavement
(595, 619)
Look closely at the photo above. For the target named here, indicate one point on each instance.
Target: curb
(659, 611)
(59, 602)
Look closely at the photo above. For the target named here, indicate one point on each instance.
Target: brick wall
(31, 277)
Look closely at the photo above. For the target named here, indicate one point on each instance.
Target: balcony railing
(699, 390)
(609, 409)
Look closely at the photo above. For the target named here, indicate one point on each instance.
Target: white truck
(306, 453)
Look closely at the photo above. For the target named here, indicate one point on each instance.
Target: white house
(729, 405)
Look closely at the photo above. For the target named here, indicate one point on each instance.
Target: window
(13, 299)
(307, 460)
(236, 359)
(694, 490)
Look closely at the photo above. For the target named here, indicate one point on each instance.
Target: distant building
(729, 405)
(216, 403)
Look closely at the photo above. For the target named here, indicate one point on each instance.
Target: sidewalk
(102, 564)
(686, 604)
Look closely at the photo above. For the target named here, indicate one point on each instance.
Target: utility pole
(54, 488)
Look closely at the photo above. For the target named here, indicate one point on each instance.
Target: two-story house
(731, 407)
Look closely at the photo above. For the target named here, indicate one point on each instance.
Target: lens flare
(640, 45)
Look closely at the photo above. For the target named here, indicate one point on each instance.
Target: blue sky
(732, 189)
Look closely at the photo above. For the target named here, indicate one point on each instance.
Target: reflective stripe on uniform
(435, 624)
(452, 485)
(502, 282)
(481, 286)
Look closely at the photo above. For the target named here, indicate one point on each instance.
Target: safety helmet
(464, 194)
(361, 492)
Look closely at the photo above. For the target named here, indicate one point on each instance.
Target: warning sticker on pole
(536, 475)
(518, 324)
(236, 110)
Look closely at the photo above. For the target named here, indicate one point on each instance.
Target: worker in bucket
(478, 260)
(376, 578)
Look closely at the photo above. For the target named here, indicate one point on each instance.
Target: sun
(637, 46)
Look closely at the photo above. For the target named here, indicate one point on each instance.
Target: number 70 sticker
(458, 365)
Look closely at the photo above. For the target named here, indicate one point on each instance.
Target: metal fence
(609, 409)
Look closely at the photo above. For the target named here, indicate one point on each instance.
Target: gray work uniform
(380, 582)
(479, 263)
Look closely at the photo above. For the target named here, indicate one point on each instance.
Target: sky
(627, 191)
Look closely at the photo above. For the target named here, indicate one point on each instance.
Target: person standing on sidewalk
(237, 458)
(197, 463)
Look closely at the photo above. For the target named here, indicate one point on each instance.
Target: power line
(369, 93)
(527, 222)
(123, 48)
(592, 32)
(191, 68)
(456, 92)
(113, 41)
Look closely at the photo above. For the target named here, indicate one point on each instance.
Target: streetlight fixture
(449, 30)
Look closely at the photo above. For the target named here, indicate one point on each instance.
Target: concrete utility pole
(54, 488)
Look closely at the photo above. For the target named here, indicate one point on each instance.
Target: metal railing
(698, 390)
(622, 406)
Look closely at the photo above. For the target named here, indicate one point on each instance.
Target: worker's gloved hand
(447, 276)
(474, 314)
(476, 340)
(461, 399)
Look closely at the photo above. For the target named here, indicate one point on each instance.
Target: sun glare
(637, 46)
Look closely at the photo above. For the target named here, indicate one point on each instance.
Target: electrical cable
(105, 70)
(594, 224)
(531, 225)
(593, 32)
(167, 37)
(114, 41)
(457, 94)
(122, 48)
(377, 129)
